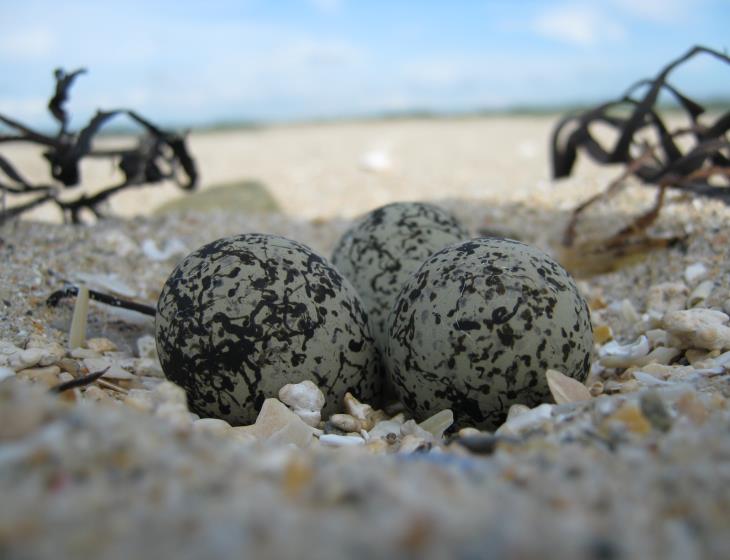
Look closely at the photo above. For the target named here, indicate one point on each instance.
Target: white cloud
(327, 7)
(581, 25)
(29, 42)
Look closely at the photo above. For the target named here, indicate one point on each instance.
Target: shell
(477, 326)
(243, 316)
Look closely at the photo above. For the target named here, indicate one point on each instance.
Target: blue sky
(188, 62)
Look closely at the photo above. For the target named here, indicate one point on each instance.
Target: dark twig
(79, 382)
(72, 291)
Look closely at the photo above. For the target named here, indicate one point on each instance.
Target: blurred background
(223, 65)
(222, 62)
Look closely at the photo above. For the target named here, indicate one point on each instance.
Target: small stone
(243, 434)
(147, 347)
(527, 420)
(438, 423)
(602, 334)
(345, 422)
(357, 409)
(664, 297)
(565, 389)
(6, 372)
(334, 440)
(700, 293)
(212, 426)
(690, 406)
(17, 358)
(614, 355)
(175, 414)
(699, 328)
(414, 444)
(385, 427)
(147, 367)
(114, 370)
(101, 345)
(96, 394)
(654, 410)
(305, 399)
(629, 313)
(48, 376)
(69, 365)
(468, 431)
(695, 272)
(140, 399)
(168, 392)
(596, 388)
(657, 337)
(83, 353)
(631, 417)
(52, 351)
(660, 355)
(517, 410)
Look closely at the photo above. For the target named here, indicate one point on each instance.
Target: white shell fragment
(16, 358)
(172, 247)
(527, 420)
(700, 293)
(437, 424)
(566, 389)
(699, 328)
(614, 355)
(277, 424)
(695, 272)
(334, 440)
(305, 399)
(77, 335)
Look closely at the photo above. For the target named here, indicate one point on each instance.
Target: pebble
(701, 293)
(361, 411)
(212, 426)
(140, 399)
(334, 440)
(114, 369)
(17, 358)
(48, 376)
(630, 416)
(6, 372)
(664, 297)
(96, 394)
(602, 334)
(52, 352)
(385, 427)
(147, 347)
(526, 420)
(168, 392)
(101, 345)
(345, 422)
(175, 414)
(654, 410)
(614, 355)
(305, 399)
(695, 272)
(83, 353)
(699, 328)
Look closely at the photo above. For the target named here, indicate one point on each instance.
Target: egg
(380, 252)
(477, 325)
(243, 316)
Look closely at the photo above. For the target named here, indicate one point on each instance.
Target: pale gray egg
(244, 315)
(380, 252)
(477, 325)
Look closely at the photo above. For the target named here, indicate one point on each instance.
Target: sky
(195, 63)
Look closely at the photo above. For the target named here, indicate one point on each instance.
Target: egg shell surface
(478, 324)
(381, 251)
(243, 316)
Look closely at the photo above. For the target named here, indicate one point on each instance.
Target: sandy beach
(636, 466)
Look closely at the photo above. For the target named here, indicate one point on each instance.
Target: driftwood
(160, 155)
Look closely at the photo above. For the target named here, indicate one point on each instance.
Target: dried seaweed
(691, 169)
(694, 159)
(159, 155)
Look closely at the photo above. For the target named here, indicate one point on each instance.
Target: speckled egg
(381, 251)
(244, 315)
(475, 328)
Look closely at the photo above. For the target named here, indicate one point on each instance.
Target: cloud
(27, 43)
(581, 25)
(327, 7)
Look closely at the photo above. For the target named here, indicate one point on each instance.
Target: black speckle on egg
(502, 314)
(243, 316)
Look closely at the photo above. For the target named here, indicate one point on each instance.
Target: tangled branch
(160, 155)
